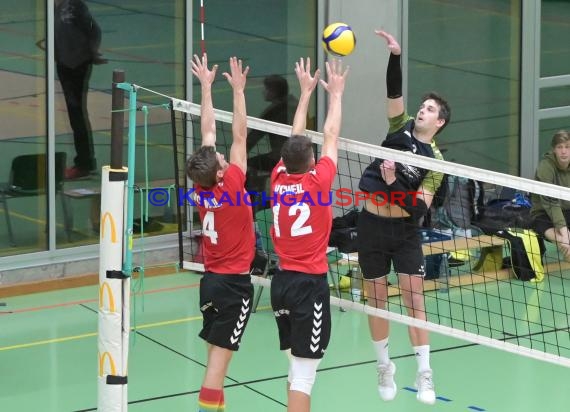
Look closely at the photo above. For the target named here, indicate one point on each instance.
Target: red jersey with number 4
(228, 238)
(302, 216)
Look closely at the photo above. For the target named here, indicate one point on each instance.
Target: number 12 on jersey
(298, 227)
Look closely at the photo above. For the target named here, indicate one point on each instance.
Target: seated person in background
(550, 215)
(280, 110)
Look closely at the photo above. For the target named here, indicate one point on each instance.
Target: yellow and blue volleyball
(339, 39)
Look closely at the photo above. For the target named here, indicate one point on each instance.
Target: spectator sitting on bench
(550, 215)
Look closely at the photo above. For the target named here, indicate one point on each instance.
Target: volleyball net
(471, 243)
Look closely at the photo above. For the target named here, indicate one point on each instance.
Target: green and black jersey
(400, 137)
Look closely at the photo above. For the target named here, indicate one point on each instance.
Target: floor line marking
(80, 302)
(92, 334)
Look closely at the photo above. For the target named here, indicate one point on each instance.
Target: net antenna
(202, 28)
(478, 300)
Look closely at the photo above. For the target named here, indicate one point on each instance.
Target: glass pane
(23, 204)
(554, 35)
(555, 96)
(469, 51)
(281, 33)
(149, 46)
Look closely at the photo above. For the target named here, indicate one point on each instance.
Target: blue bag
(434, 266)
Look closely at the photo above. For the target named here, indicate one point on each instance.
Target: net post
(114, 283)
(177, 185)
(117, 120)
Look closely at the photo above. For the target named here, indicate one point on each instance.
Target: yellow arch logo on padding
(107, 355)
(106, 287)
(106, 216)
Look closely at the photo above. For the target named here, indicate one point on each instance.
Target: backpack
(461, 205)
(501, 214)
(527, 250)
(435, 264)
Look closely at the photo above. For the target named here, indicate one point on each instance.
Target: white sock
(382, 354)
(422, 356)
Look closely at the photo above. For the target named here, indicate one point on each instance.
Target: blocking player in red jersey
(301, 227)
(227, 228)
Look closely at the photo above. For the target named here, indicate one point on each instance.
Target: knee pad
(302, 374)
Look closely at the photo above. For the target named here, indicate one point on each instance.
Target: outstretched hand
(306, 81)
(335, 77)
(392, 43)
(238, 76)
(201, 71)
(388, 171)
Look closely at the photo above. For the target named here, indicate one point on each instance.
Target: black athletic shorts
(301, 304)
(541, 222)
(383, 241)
(225, 302)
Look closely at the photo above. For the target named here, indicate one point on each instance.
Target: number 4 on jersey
(208, 228)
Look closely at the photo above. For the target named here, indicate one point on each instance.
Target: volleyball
(339, 39)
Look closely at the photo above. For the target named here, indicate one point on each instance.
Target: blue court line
(414, 390)
(443, 399)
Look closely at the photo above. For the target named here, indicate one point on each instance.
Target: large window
(554, 35)
(269, 35)
(23, 203)
(554, 61)
(469, 51)
(148, 43)
(555, 55)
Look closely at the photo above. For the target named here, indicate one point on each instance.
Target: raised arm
(393, 76)
(207, 119)
(237, 79)
(307, 84)
(335, 87)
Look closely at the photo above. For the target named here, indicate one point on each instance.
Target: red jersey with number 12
(302, 216)
(228, 237)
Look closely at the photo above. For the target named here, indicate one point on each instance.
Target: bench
(443, 246)
(461, 243)
(481, 273)
(486, 243)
